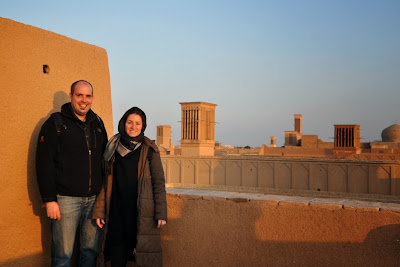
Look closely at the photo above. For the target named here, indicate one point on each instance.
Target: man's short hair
(75, 83)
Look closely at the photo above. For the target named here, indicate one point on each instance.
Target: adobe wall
(28, 96)
(296, 151)
(322, 144)
(309, 141)
(260, 173)
(231, 229)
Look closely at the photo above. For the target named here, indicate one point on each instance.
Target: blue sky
(335, 62)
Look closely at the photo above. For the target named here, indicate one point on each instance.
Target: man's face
(81, 100)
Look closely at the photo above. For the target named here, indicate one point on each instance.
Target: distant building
(347, 140)
(164, 143)
(292, 138)
(391, 134)
(390, 144)
(198, 128)
(273, 141)
(347, 144)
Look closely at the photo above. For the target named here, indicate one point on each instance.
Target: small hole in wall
(46, 69)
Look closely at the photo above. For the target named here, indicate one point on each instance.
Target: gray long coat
(152, 206)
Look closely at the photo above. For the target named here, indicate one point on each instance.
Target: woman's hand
(161, 223)
(100, 222)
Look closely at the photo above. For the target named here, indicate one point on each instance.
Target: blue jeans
(76, 215)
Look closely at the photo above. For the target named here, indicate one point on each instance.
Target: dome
(391, 134)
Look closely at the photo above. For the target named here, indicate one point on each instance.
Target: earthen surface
(206, 229)
(37, 68)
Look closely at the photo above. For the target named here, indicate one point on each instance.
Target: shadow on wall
(212, 232)
(59, 99)
(235, 233)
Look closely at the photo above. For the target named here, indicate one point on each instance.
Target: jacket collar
(150, 143)
(66, 110)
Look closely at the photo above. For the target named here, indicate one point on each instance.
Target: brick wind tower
(293, 138)
(198, 128)
(164, 143)
(347, 140)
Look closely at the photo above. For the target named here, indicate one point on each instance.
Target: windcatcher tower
(273, 141)
(292, 138)
(347, 140)
(298, 123)
(164, 142)
(198, 128)
(164, 135)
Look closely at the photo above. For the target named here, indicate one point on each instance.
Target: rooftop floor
(328, 202)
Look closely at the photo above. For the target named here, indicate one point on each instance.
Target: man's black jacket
(70, 162)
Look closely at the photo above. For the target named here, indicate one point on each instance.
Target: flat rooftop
(330, 203)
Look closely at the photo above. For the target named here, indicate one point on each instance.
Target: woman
(132, 204)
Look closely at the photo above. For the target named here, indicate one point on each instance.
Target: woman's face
(133, 125)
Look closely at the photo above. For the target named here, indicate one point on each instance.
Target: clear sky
(335, 62)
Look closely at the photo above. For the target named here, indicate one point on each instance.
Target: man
(69, 173)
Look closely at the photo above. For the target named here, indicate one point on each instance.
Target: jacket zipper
(90, 170)
(90, 159)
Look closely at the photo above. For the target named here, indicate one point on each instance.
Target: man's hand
(53, 210)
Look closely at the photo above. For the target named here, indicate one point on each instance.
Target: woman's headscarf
(126, 140)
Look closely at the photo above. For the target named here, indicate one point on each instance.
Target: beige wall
(28, 96)
(209, 229)
(309, 141)
(296, 151)
(197, 147)
(296, 174)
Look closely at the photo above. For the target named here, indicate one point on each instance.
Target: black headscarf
(126, 140)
